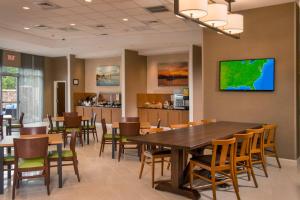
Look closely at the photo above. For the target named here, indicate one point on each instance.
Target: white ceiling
(168, 34)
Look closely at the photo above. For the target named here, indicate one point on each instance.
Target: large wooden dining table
(115, 127)
(85, 121)
(8, 142)
(187, 139)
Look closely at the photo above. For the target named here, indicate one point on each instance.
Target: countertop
(164, 108)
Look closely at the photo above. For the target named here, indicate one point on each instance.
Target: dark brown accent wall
(135, 80)
(55, 70)
(269, 32)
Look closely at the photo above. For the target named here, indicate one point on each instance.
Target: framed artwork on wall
(173, 74)
(108, 75)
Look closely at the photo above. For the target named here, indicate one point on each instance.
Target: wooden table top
(196, 136)
(143, 125)
(54, 139)
(7, 116)
(62, 119)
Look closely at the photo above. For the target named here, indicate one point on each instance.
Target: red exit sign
(11, 57)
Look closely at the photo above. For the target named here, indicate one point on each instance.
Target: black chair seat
(157, 152)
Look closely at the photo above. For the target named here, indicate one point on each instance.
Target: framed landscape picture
(173, 74)
(108, 75)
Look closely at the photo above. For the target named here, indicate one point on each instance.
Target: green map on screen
(257, 74)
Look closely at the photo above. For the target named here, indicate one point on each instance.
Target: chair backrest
(33, 130)
(31, 148)
(225, 148)
(258, 140)
(178, 126)
(70, 114)
(1, 121)
(270, 133)
(72, 121)
(104, 127)
(93, 119)
(158, 123)
(21, 119)
(50, 121)
(73, 142)
(129, 128)
(243, 144)
(131, 119)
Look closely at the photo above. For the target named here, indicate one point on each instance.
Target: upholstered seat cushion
(89, 127)
(31, 163)
(109, 136)
(206, 159)
(57, 128)
(69, 130)
(65, 154)
(157, 152)
(9, 158)
(14, 126)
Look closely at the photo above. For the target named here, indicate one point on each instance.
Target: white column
(122, 82)
(191, 85)
(69, 83)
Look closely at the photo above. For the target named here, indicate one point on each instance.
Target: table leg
(59, 165)
(113, 145)
(9, 166)
(1, 170)
(177, 177)
(88, 133)
(8, 131)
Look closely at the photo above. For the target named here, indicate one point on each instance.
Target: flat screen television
(247, 75)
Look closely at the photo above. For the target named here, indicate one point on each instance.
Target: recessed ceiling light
(25, 8)
(72, 24)
(89, 1)
(125, 19)
(26, 28)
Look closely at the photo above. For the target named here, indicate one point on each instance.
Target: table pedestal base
(186, 192)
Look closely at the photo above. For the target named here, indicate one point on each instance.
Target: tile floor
(104, 178)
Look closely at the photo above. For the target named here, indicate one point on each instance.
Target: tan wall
(90, 74)
(135, 80)
(269, 32)
(152, 61)
(77, 72)
(55, 70)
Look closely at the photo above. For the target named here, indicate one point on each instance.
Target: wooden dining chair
(33, 130)
(92, 127)
(52, 128)
(257, 148)
(270, 142)
(128, 129)
(31, 155)
(155, 155)
(106, 137)
(70, 114)
(178, 126)
(131, 119)
(15, 126)
(72, 123)
(219, 163)
(69, 157)
(242, 155)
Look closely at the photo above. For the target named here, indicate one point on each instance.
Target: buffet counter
(110, 114)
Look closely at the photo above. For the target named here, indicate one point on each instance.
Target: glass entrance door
(9, 97)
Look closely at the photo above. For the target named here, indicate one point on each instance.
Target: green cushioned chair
(15, 125)
(9, 158)
(106, 137)
(53, 129)
(69, 130)
(92, 127)
(65, 154)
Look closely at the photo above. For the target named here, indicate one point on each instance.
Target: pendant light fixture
(193, 8)
(235, 24)
(217, 15)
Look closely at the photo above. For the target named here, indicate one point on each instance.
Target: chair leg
(120, 152)
(213, 185)
(47, 180)
(142, 166)
(81, 140)
(276, 156)
(252, 173)
(101, 146)
(153, 171)
(235, 184)
(75, 165)
(191, 175)
(162, 166)
(15, 179)
(96, 134)
(264, 164)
